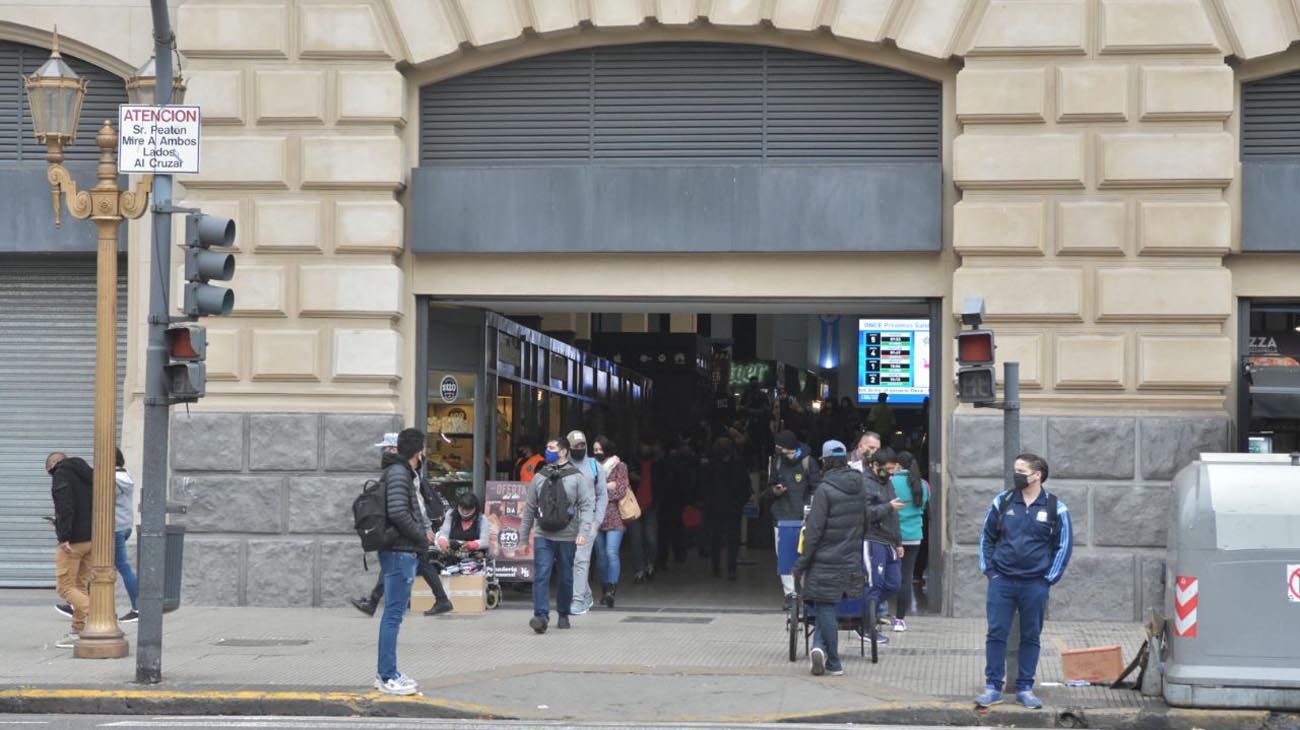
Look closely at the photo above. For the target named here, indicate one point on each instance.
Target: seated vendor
(464, 529)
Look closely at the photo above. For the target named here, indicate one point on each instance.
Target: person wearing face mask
(1024, 550)
(883, 538)
(614, 481)
(589, 471)
(465, 529)
(867, 445)
(553, 548)
(790, 487)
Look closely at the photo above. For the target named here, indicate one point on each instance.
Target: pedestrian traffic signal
(186, 374)
(976, 374)
(203, 265)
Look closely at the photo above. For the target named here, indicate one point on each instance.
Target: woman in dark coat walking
(831, 564)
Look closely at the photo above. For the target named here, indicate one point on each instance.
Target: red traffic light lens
(181, 346)
(975, 347)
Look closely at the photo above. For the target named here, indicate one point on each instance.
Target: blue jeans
(826, 633)
(399, 576)
(552, 556)
(1006, 597)
(608, 543)
(123, 561)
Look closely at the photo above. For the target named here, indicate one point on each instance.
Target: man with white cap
(430, 504)
(589, 470)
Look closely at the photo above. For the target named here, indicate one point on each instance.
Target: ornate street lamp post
(55, 93)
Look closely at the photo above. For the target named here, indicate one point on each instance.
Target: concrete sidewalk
(634, 663)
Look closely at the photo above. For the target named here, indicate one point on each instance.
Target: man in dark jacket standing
(790, 486)
(73, 490)
(409, 538)
(831, 563)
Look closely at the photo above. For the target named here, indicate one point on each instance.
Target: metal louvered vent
(1270, 117)
(680, 102)
(47, 399)
(17, 141)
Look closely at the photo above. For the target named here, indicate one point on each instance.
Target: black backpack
(1052, 515)
(554, 510)
(370, 516)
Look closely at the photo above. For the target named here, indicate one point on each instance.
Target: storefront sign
(161, 139)
(504, 508)
(449, 389)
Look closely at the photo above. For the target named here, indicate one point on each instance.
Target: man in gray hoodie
(553, 549)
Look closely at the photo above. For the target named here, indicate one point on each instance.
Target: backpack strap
(1001, 502)
(1053, 504)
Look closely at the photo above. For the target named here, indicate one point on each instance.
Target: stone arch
(69, 44)
(435, 33)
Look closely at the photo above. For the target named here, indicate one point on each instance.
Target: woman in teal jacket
(915, 491)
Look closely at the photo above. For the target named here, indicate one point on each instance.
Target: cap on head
(577, 437)
(389, 442)
(787, 440)
(834, 448)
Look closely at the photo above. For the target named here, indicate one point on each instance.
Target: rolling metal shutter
(47, 399)
(17, 141)
(680, 102)
(1270, 169)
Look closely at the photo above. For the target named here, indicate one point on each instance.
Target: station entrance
(672, 389)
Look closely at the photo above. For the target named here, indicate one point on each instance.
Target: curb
(34, 700)
(30, 700)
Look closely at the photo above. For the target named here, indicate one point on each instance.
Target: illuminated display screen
(894, 358)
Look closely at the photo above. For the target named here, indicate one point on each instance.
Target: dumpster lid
(1275, 392)
(1256, 500)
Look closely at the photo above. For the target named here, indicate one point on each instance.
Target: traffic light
(185, 372)
(203, 265)
(976, 374)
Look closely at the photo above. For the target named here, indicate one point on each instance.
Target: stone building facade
(1091, 196)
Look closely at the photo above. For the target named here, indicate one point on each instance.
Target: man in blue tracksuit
(1024, 549)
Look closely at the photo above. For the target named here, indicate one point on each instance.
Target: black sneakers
(64, 609)
(563, 623)
(363, 605)
(538, 624)
(129, 617)
(439, 608)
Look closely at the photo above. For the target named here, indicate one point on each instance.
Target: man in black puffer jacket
(411, 538)
(831, 563)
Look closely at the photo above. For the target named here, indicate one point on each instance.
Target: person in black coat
(401, 558)
(727, 491)
(72, 488)
(831, 563)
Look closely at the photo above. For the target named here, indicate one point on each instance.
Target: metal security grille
(1270, 117)
(680, 102)
(17, 143)
(47, 374)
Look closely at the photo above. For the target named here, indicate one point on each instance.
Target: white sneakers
(401, 685)
(818, 658)
(68, 641)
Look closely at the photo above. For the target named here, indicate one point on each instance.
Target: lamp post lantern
(55, 93)
(142, 87)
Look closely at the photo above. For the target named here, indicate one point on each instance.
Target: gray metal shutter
(47, 381)
(683, 102)
(1270, 117)
(17, 141)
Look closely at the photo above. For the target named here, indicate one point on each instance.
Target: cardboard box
(468, 593)
(1100, 664)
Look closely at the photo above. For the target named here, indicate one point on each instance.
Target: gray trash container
(175, 564)
(1232, 591)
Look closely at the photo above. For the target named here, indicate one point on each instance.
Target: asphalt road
(86, 722)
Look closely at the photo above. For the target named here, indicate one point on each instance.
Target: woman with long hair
(610, 537)
(915, 491)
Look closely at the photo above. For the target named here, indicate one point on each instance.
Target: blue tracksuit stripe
(1065, 547)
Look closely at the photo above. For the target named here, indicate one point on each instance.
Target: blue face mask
(552, 457)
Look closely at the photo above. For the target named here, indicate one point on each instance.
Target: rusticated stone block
(207, 442)
(1091, 448)
(968, 505)
(969, 586)
(283, 441)
(323, 504)
(350, 440)
(1169, 444)
(1151, 584)
(230, 503)
(280, 573)
(1132, 516)
(1095, 588)
(976, 444)
(342, 574)
(211, 573)
(1075, 497)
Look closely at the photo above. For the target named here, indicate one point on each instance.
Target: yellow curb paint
(238, 695)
